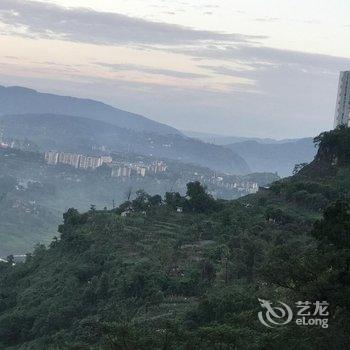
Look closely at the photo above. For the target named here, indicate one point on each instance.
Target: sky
(232, 67)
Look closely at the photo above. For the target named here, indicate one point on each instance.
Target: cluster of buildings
(139, 169)
(76, 160)
(118, 169)
(242, 186)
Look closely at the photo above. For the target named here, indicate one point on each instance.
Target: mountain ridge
(223, 140)
(277, 157)
(21, 100)
(71, 133)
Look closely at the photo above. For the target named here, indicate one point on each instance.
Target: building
(106, 159)
(3, 144)
(89, 162)
(51, 157)
(118, 169)
(76, 160)
(141, 170)
(1, 133)
(158, 167)
(342, 109)
(121, 171)
(69, 159)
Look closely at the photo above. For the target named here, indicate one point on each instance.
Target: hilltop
(150, 276)
(20, 100)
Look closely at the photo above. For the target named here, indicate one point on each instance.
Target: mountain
(149, 276)
(264, 154)
(78, 134)
(19, 100)
(276, 157)
(222, 140)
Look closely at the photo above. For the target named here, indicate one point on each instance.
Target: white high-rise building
(52, 157)
(342, 109)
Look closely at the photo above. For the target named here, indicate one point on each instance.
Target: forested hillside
(34, 195)
(186, 272)
(79, 134)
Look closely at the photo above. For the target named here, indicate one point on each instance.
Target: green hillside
(150, 276)
(34, 195)
(79, 134)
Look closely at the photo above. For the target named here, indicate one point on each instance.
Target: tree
(155, 201)
(103, 286)
(334, 228)
(10, 259)
(174, 200)
(199, 200)
(141, 201)
(298, 167)
(195, 189)
(319, 272)
(71, 217)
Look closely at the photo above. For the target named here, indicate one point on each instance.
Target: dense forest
(186, 272)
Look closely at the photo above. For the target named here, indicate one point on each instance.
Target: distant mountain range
(20, 100)
(223, 140)
(277, 157)
(75, 124)
(265, 154)
(77, 134)
(69, 123)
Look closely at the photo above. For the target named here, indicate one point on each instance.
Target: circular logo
(274, 316)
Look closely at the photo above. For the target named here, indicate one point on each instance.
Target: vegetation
(34, 195)
(149, 276)
(80, 134)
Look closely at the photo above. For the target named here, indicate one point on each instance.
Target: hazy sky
(237, 67)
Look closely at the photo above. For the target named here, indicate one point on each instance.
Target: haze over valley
(42, 176)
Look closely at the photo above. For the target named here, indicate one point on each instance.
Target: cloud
(290, 88)
(151, 70)
(12, 57)
(291, 98)
(257, 56)
(43, 20)
(223, 70)
(293, 82)
(293, 88)
(266, 19)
